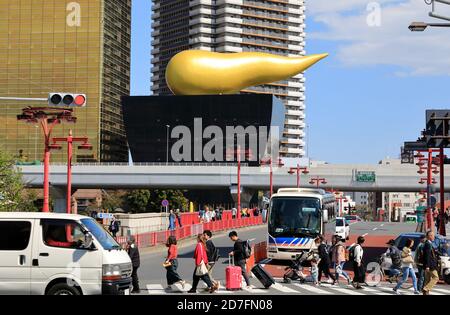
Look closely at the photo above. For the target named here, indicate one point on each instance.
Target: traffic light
(67, 100)
(437, 128)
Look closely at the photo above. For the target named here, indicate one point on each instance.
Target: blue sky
(371, 94)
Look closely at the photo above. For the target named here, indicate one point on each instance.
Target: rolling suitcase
(263, 276)
(233, 276)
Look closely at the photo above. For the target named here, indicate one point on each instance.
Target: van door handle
(35, 263)
(22, 260)
(44, 255)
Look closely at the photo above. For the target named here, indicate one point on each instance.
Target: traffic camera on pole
(67, 100)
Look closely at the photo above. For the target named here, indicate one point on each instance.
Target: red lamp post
(318, 180)
(84, 146)
(269, 161)
(47, 118)
(297, 170)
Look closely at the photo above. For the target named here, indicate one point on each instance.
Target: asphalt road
(153, 276)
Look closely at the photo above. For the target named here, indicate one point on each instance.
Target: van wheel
(63, 289)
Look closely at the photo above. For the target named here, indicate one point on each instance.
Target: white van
(60, 254)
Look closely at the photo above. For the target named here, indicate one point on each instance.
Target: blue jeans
(407, 272)
(421, 279)
(393, 272)
(343, 272)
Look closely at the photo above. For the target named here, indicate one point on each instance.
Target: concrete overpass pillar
(246, 195)
(59, 197)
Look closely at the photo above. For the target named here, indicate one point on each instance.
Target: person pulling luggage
(240, 254)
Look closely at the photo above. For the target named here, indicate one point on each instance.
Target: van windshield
(102, 236)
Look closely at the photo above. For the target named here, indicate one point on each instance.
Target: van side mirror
(325, 215)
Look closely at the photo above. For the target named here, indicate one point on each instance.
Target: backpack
(351, 253)
(247, 249)
(215, 255)
(396, 258)
(419, 254)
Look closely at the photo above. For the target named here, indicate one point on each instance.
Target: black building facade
(159, 128)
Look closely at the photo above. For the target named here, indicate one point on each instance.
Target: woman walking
(407, 267)
(201, 270)
(338, 259)
(171, 263)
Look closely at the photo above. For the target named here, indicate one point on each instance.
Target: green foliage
(13, 196)
(141, 201)
(112, 200)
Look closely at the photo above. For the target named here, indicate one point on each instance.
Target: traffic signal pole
(429, 182)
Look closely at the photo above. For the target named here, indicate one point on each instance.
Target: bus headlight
(272, 249)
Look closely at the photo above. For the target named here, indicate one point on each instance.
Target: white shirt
(359, 252)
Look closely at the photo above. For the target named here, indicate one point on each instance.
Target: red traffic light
(67, 100)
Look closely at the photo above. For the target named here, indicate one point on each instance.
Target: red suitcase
(233, 276)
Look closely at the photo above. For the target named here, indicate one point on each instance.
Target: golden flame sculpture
(198, 72)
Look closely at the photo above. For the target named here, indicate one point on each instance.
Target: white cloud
(390, 43)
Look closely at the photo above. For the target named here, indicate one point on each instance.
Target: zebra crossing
(296, 289)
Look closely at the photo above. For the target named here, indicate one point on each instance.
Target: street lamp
(422, 26)
(83, 146)
(297, 170)
(317, 180)
(269, 161)
(47, 118)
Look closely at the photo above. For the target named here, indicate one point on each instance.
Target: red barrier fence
(156, 238)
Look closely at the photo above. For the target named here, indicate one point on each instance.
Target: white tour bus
(60, 254)
(296, 217)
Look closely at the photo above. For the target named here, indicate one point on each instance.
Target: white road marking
(156, 289)
(441, 291)
(346, 291)
(311, 288)
(382, 225)
(284, 289)
(374, 229)
(254, 290)
(364, 235)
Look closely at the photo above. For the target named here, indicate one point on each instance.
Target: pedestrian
(201, 270)
(201, 215)
(324, 256)
(239, 254)
(171, 220)
(114, 227)
(220, 213)
(178, 214)
(133, 252)
(339, 260)
(212, 253)
(418, 259)
(358, 264)
(407, 267)
(430, 264)
(213, 215)
(171, 264)
(395, 254)
(233, 213)
(264, 214)
(314, 273)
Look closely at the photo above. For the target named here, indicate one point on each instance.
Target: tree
(13, 196)
(138, 200)
(112, 200)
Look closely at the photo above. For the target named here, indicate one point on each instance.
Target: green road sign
(365, 177)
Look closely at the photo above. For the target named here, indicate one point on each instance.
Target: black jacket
(429, 257)
(210, 250)
(239, 250)
(323, 254)
(135, 257)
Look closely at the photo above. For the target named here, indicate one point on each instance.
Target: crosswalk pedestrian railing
(150, 239)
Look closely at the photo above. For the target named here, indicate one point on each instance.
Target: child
(314, 273)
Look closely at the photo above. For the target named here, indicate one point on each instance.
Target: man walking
(133, 252)
(358, 266)
(212, 253)
(324, 263)
(114, 227)
(418, 260)
(239, 255)
(395, 254)
(430, 264)
(178, 214)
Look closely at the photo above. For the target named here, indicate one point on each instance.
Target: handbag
(201, 269)
(166, 265)
(408, 260)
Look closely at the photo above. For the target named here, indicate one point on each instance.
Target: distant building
(63, 46)
(398, 204)
(360, 198)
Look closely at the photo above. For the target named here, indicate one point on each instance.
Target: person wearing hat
(133, 252)
(396, 256)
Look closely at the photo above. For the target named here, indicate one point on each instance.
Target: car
(411, 218)
(352, 218)
(440, 243)
(342, 228)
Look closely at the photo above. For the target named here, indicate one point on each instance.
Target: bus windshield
(295, 216)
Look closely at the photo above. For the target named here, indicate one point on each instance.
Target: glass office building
(78, 46)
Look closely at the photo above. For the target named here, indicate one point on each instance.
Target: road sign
(433, 201)
(165, 203)
(103, 215)
(365, 177)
